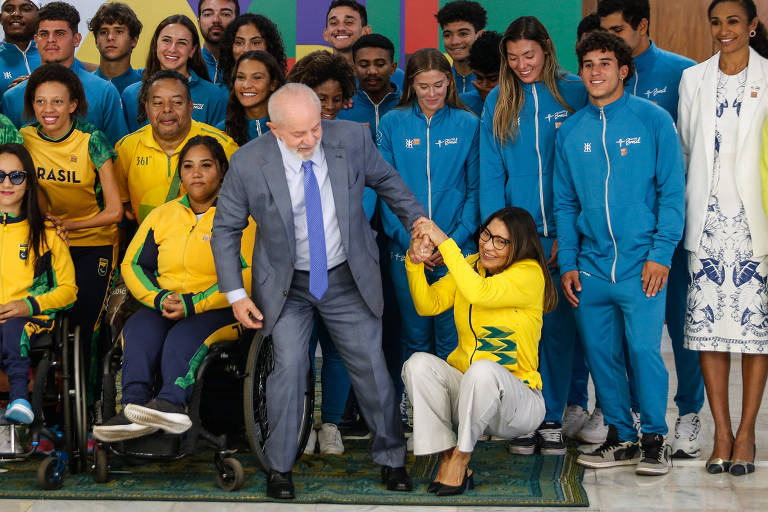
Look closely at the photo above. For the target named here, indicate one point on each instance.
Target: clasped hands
(425, 237)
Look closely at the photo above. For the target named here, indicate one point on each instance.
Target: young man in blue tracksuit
(116, 30)
(516, 169)
(619, 206)
(657, 77)
(213, 17)
(438, 159)
(461, 23)
(18, 52)
(484, 60)
(105, 111)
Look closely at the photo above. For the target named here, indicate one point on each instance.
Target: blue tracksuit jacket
(619, 189)
(121, 82)
(438, 159)
(210, 102)
(256, 127)
(657, 77)
(15, 63)
(519, 172)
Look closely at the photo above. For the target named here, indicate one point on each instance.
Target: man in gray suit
(314, 253)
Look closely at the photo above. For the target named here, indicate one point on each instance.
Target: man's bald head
(294, 118)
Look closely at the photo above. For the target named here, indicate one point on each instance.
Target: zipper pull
(601, 113)
(5, 221)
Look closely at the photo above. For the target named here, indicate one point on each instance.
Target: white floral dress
(727, 307)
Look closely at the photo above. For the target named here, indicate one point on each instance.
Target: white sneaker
(329, 439)
(687, 441)
(594, 430)
(311, 442)
(573, 420)
(636, 422)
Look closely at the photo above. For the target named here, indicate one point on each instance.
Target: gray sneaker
(687, 440)
(611, 453)
(655, 456)
(594, 430)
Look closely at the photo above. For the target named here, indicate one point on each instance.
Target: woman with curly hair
(247, 33)
(176, 46)
(330, 76)
(257, 75)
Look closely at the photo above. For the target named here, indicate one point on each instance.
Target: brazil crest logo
(23, 252)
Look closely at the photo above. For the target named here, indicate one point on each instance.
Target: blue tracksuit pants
(607, 312)
(556, 349)
(690, 385)
(334, 380)
(14, 352)
(433, 334)
(175, 348)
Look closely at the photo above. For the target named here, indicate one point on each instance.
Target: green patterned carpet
(501, 480)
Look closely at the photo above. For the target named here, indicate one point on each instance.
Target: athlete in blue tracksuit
(657, 77)
(256, 127)
(463, 82)
(15, 62)
(473, 101)
(438, 159)
(619, 203)
(519, 173)
(131, 76)
(210, 102)
(365, 111)
(105, 111)
(214, 70)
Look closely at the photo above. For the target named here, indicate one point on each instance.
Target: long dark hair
(195, 62)
(236, 123)
(268, 31)
(29, 206)
(429, 59)
(759, 43)
(525, 245)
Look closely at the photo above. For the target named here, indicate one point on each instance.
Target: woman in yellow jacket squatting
(490, 383)
(37, 277)
(169, 268)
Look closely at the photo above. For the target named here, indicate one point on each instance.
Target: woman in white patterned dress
(723, 103)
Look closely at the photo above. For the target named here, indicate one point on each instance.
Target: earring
(753, 33)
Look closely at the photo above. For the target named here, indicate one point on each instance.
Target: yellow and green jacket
(48, 285)
(171, 253)
(147, 176)
(497, 317)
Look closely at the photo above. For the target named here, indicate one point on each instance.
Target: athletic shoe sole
(117, 433)
(663, 469)
(522, 450)
(20, 414)
(552, 451)
(592, 440)
(173, 423)
(607, 464)
(682, 454)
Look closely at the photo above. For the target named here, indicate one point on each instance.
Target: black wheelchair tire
(259, 364)
(47, 478)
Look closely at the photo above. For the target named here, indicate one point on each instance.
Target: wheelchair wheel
(101, 466)
(49, 475)
(230, 476)
(75, 407)
(258, 367)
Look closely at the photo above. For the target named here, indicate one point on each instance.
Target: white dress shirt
(294, 175)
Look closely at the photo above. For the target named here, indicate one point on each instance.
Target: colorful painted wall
(409, 23)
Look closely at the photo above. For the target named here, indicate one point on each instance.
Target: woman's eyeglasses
(499, 242)
(16, 177)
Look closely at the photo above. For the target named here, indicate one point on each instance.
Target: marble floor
(686, 487)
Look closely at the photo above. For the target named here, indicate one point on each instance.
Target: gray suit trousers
(356, 333)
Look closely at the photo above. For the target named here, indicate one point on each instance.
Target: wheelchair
(59, 391)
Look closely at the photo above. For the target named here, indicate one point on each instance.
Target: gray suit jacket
(256, 186)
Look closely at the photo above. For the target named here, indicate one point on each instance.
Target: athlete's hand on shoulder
(17, 81)
(654, 278)
(571, 285)
(247, 313)
(61, 229)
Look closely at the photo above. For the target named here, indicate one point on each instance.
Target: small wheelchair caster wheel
(231, 475)
(101, 466)
(49, 476)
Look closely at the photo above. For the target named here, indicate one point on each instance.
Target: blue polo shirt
(121, 82)
(210, 102)
(15, 63)
(105, 111)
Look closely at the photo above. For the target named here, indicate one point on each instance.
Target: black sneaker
(354, 430)
(655, 455)
(120, 428)
(523, 445)
(160, 414)
(551, 438)
(612, 452)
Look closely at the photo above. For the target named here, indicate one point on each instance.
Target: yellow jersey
(147, 176)
(171, 253)
(68, 174)
(497, 317)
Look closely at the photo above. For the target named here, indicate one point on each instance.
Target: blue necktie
(318, 262)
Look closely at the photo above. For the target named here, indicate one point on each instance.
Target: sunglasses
(16, 177)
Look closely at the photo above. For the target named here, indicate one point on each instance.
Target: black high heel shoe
(743, 467)
(467, 483)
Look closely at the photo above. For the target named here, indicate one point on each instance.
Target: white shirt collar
(293, 162)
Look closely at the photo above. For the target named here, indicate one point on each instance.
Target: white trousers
(488, 398)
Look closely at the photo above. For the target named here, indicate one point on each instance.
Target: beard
(304, 157)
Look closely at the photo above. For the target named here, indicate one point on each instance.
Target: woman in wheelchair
(490, 382)
(37, 277)
(169, 268)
